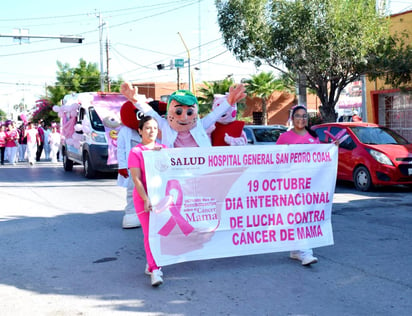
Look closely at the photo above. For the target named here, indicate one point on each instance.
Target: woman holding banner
(300, 133)
(148, 130)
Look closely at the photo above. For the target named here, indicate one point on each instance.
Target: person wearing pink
(12, 143)
(148, 130)
(300, 133)
(2, 141)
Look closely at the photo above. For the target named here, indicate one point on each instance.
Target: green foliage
(3, 115)
(315, 119)
(328, 42)
(115, 85)
(393, 62)
(84, 78)
(208, 92)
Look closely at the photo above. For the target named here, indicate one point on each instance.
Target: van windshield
(95, 120)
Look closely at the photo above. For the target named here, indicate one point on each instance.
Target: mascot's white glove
(234, 141)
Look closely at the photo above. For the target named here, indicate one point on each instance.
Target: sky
(141, 34)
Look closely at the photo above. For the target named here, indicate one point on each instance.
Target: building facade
(386, 105)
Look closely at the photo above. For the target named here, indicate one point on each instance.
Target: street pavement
(63, 252)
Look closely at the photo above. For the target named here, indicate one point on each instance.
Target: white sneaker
(156, 277)
(306, 259)
(130, 221)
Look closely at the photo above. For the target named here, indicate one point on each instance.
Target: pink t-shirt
(12, 137)
(31, 136)
(185, 139)
(3, 139)
(136, 161)
(290, 137)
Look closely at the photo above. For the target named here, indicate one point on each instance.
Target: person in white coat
(127, 138)
(54, 143)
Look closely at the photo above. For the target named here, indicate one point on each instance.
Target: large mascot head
(182, 110)
(230, 115)
(130, 115)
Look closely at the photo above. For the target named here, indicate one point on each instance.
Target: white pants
(53, 152)
(22, 152)
(11, 154)
(31, 152)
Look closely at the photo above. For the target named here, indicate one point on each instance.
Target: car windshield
(378, 135)
(267, 134)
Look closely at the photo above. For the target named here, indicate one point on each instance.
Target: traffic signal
(160, 66)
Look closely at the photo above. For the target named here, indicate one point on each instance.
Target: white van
(90, 122)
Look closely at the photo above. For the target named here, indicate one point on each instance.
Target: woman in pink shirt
(148, 130)
(12, 143)
(300, 134)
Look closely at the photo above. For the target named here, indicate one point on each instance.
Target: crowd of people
(28, 142)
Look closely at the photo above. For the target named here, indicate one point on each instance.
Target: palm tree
(209, 90)
(262, 86)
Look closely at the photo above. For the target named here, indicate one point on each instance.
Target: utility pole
(107, 59)
(101, 24)
(178, 78)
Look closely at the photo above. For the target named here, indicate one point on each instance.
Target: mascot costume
(227, 131)
(182, 127)
(127, 138)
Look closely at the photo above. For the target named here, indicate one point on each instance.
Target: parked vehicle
(372, 155)
(263, 134)
(90, 122)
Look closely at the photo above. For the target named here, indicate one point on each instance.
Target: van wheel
(89, 172)
(67, 163)
(362, 179)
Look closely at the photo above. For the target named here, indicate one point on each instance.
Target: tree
(3, 115)
(44, 111)
(115, 85)
(209, 90)
(84, 78)
(393, 63)
(327, 42)
(262, 86)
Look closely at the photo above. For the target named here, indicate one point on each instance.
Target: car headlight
(380, 157)
(98, 138)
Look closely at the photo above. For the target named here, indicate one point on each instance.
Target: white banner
(241, 200)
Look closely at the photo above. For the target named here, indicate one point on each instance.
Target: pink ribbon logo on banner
(175, 208)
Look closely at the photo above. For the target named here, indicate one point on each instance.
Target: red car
(372, 155)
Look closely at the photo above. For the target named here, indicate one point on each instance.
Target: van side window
(95, 120)
(80, 115)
